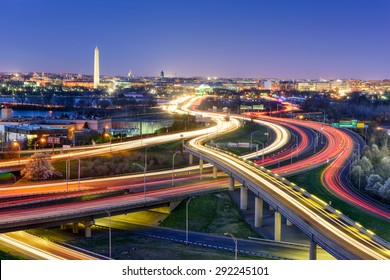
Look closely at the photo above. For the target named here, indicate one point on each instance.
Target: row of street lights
(144, 168)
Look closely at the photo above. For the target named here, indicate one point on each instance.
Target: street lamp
(108, 135)
(42, 140)
(79, 173)
(292, 148)
(257, 131)
(324, 114)
(188, 202)
(173, 166)
(16, 143)
(270, 111)
(235, 243)
(109, 232)
(262, 151)
(144, 169)
(67, 171)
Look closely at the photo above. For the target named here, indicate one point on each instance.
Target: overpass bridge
(87, 212)
(324, 225)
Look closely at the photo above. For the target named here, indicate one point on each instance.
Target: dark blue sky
(223, 38)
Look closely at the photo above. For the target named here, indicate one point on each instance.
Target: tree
(39, 168)
(374, 182)
(384, 191)
(383, 168)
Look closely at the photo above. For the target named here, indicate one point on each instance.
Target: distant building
(6, 113)
(162, 74)
(268, 85)
(77, 83)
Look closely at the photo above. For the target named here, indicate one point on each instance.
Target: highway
(307, 211)
(311, 213)
(32, 247)
(339, 148)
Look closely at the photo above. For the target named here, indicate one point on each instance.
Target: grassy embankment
(311, 181)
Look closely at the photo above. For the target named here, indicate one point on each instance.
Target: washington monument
(96, 73)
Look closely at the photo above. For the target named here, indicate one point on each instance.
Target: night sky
(223, 38)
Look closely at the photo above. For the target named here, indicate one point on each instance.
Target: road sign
(348, 124)
(360, 125)
(55, 140)
(335, 124)
(244, 107)
(258, 107)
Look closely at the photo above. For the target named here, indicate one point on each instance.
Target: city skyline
(222, 38)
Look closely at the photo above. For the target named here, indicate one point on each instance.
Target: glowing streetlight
(42, 141)
(16, 144)
(108, 135)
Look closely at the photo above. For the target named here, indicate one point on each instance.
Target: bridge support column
(63, 227)
(215, 170)
(200, 167)
(243, 198)
(278, 226)
(288, 223)
(313, 250)
(258, 212)
(231, 184)
(75, 227)
(191, 159)
(88, 224)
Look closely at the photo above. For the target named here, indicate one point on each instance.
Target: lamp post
(262, 155)
(257, 131)
(109, 232)
(292, 148)
(188, 202)
(106, 134)
(235, 243)
(144, 169)
(16, 143)
(270, 111)
(42, 140)
(79, 173)
(324, 115)
(67, 176)
(173, 166)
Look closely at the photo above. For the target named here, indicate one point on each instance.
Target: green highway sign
(335, 124)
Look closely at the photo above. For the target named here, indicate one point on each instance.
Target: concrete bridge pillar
(215, 170)
(313, 250)
(231, 184)
(288, 223)
(243, 198)
(63, 227)
(191, 159)
(75, 227)
(278, 226)
(88, 224)
(258, 212)
(200, 167)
